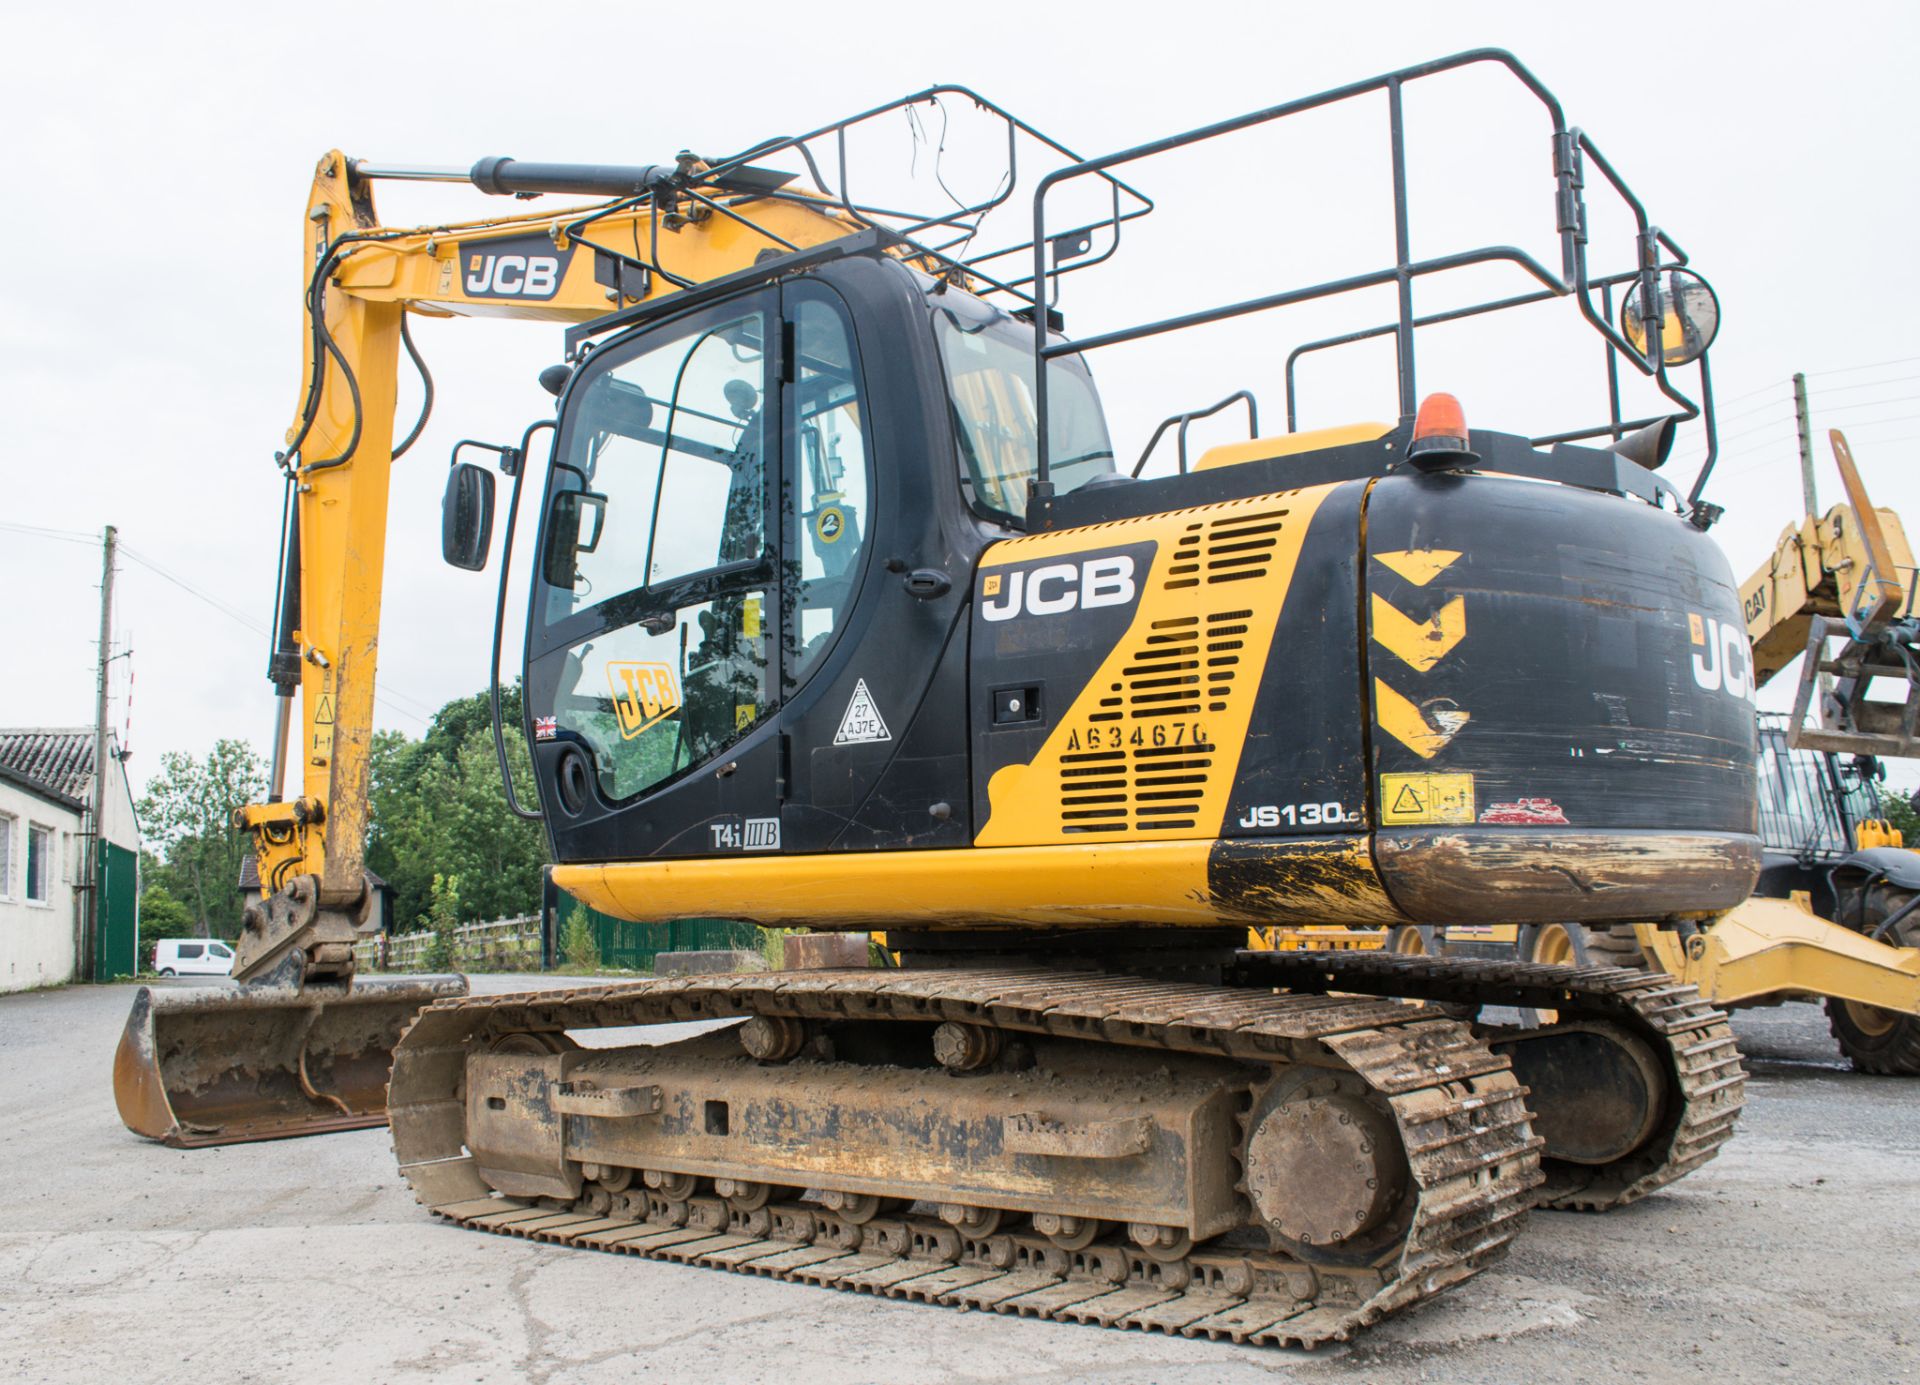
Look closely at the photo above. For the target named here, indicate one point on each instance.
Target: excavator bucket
(221, 1065)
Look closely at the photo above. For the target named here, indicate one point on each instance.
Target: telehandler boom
(843, 615)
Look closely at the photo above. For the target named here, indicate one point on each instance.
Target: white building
(46, 791)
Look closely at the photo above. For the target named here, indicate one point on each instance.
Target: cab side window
(831, 481)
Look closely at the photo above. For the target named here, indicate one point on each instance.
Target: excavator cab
(726, 655)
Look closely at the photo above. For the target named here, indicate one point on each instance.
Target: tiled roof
(250, 874)
(56, 760)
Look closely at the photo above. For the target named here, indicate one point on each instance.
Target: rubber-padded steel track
(1708, 1083)
(1473, 1157)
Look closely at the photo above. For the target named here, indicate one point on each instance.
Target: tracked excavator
(841, 614)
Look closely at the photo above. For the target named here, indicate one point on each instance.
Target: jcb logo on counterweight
(516, 267)
(1055, 588)
(1722, 657)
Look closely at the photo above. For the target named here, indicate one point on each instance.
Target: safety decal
(1425, 725)
(642, 695)
(1409, 799)
(862, 721)
(1524, 812)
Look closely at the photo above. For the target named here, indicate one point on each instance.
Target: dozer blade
(211, 1065)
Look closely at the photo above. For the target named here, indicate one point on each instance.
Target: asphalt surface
(1793, 1257)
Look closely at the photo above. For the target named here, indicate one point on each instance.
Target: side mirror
(570, 532)
(1688, 313)
(466, 516)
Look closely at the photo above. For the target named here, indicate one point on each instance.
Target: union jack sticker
(546, 728)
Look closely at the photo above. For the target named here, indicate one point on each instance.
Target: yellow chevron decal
(1424, 731)
(1421, 643)
(1420, 565)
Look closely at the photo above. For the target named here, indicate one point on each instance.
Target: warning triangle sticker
(1407, 801)
(323, 711)
(862, 722)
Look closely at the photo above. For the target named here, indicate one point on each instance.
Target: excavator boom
(302, 1045)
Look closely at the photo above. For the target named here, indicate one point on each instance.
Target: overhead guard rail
(1573, 150)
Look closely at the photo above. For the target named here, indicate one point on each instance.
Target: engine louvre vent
(1146, 757)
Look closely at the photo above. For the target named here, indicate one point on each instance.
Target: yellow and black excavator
(842, 615)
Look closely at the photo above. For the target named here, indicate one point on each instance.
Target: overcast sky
(158, 157)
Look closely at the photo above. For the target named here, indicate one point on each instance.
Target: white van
(192, 957)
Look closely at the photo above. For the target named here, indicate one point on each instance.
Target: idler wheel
(1323, 1164)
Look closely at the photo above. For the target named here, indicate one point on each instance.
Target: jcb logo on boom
(517, 267)
(1722, 658)
(1055, 588)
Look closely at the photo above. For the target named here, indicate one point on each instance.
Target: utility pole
(1806, 443)
(1803, 420)
(90, 932)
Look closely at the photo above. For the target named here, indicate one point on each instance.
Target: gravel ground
(1794, 1256)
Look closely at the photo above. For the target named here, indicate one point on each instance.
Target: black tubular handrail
(499, 621)
(1573, 152)
(1238, 396)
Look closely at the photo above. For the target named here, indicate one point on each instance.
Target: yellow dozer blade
(213, 1065)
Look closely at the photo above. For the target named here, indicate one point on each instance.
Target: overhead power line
(61, 535)
(398, 701)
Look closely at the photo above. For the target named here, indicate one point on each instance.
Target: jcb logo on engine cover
(516, 267)
(1054, 589)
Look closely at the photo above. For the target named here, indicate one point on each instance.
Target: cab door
(654, 642)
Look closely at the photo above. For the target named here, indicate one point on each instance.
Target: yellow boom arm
(568, 267)
(1818, 568)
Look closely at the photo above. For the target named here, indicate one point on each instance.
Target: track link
(1707, 1081)
(1473, 1159)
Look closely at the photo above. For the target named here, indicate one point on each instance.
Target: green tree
(188, 815)
(1897, 810)
(441, 920)
(578, 944)
(438, 809)
(161, 916)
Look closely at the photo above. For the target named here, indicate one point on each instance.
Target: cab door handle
(927, 583)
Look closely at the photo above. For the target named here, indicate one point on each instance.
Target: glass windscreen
(663, 475)
(989, 360)
(649, 703)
